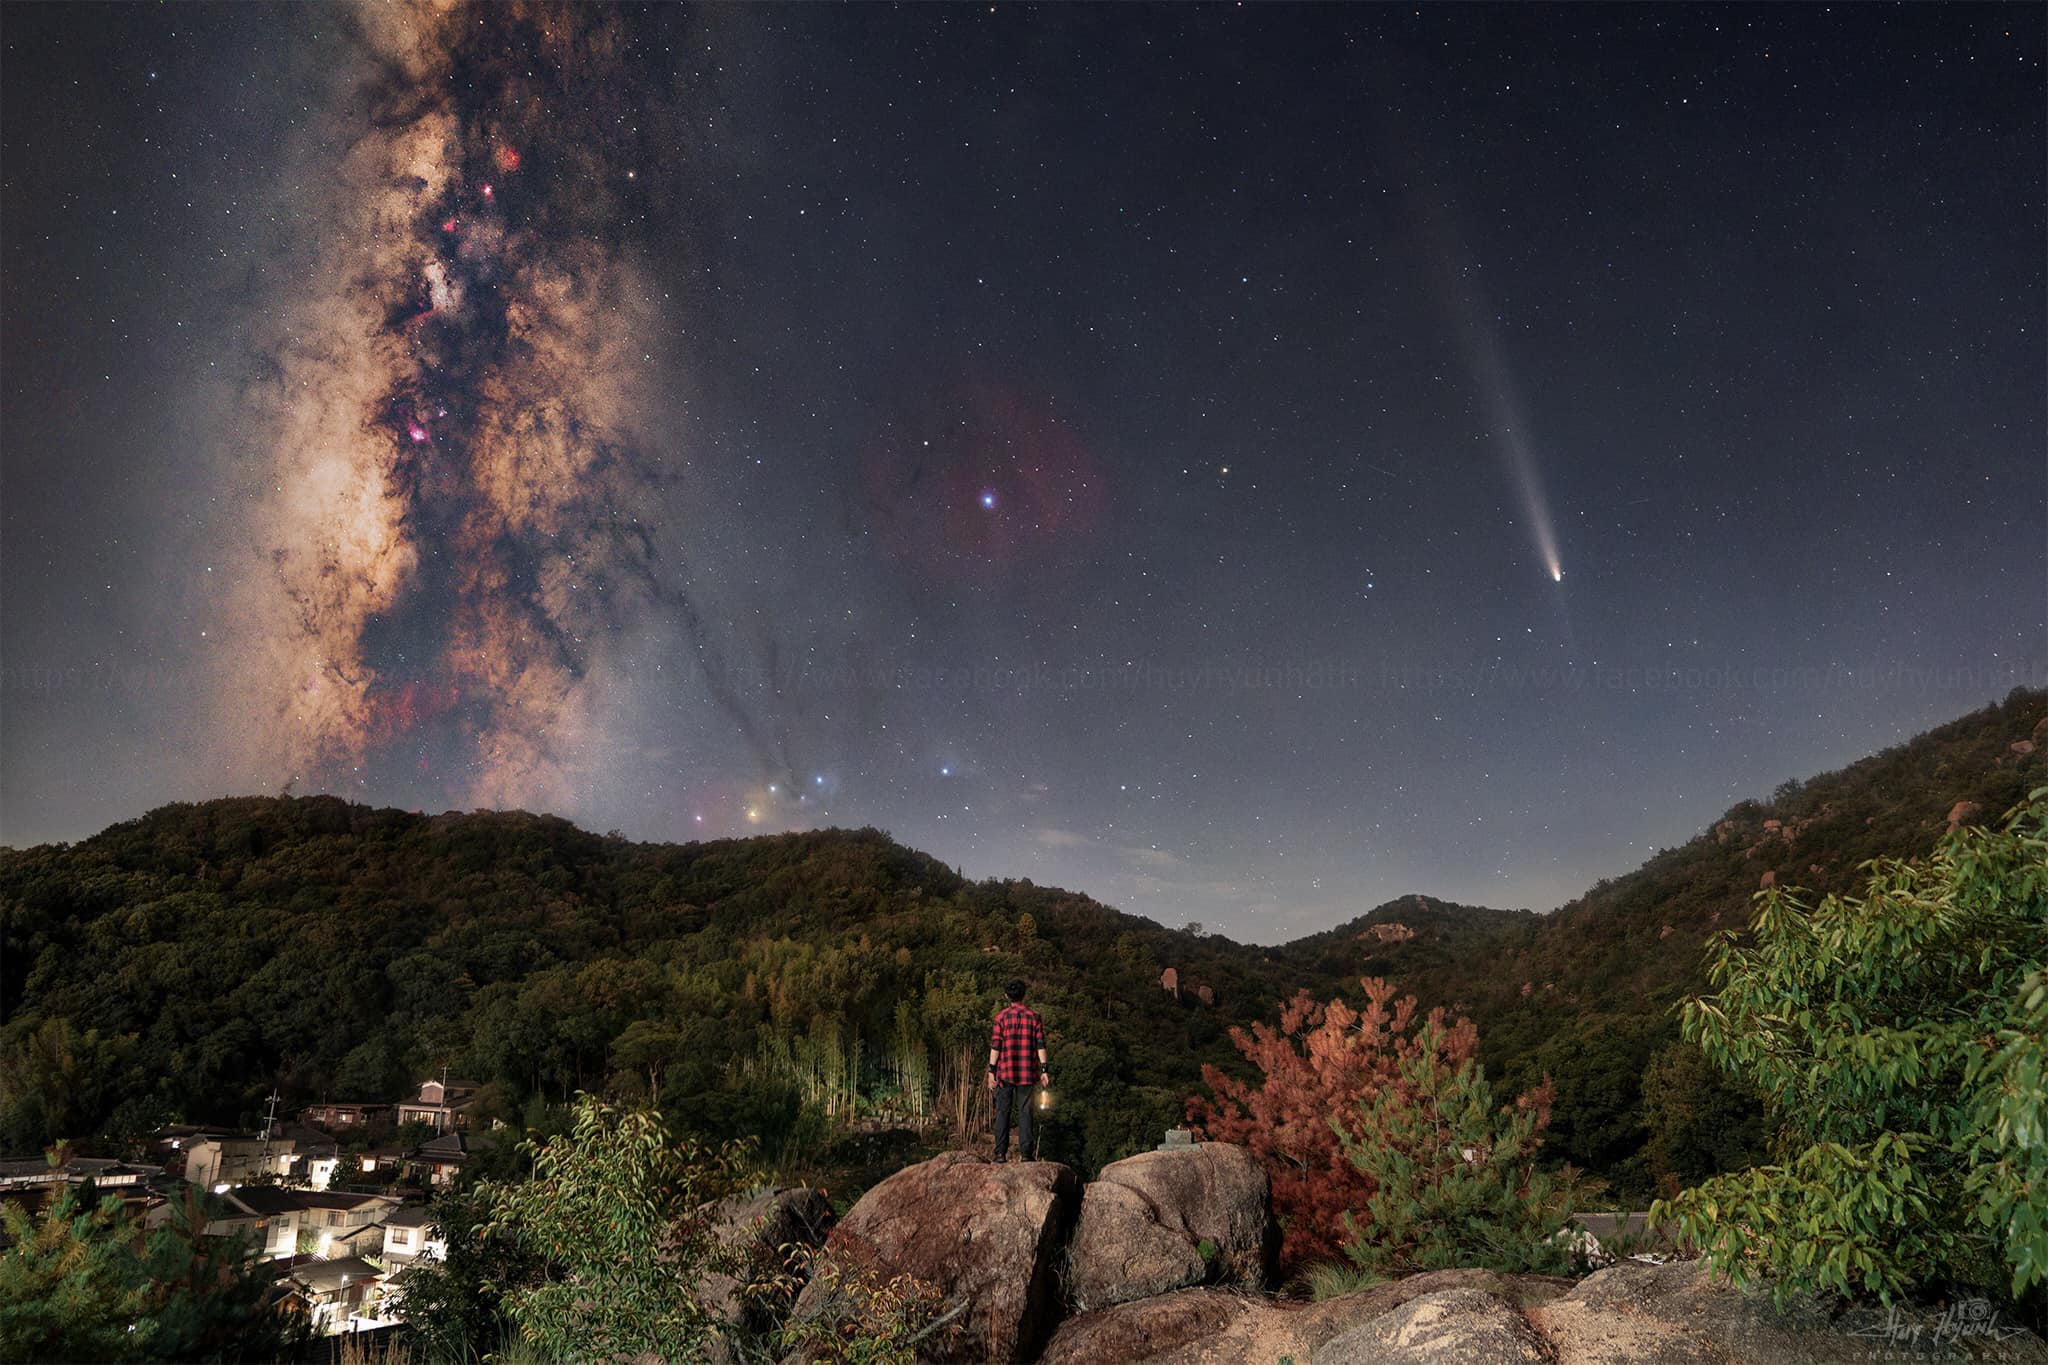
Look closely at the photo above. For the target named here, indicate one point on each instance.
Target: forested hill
(183, 963)
(1584, 994)
(180, 965)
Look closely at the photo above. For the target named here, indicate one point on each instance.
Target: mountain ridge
(183, 963)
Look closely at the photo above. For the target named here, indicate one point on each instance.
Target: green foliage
(1454, 1177)
(860, 1317)
(1334, 1279)
(1899, 1035)
(67, 1284)
(60, 1081)
(1363, 1113)
(455, 1306)
(178, 966)
(86, 1284)
(1699, 1120)
(619, 1211)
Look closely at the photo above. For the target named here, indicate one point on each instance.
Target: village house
(287, 1223)
(105, 1173)
(348, 1116)
(438, 1160)
(316, 1156)
(217, 1163)
(409, 1236)
(441, 1103)
(335, 1292)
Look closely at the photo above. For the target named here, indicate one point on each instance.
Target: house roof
(265, 1201)
(452, 1146)
(336, 1199)
(409, 1216)
(325, 1275)
(348, 1104)
(269, 1200)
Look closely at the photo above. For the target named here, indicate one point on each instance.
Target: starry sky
(1244, 463)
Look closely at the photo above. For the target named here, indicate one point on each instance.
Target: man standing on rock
(1016, 1054)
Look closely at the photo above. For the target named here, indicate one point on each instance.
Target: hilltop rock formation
(981, 1232)
(993, 1237)
(1214, 1327)
(1631, 1314)
(1145, 1222)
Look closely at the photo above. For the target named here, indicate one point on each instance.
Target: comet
(1479, 337)
(1510, 431)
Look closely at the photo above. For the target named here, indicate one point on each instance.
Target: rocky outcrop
(1637, 1314)
(1447, 1326)
(979, 1232)
(1632, 1314)
(1215, 1327)
(992, 1239)
(1169, 1220)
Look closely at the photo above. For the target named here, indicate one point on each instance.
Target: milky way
(1132, 447)
(456, 435)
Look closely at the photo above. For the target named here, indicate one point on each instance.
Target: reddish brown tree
(1324, 1065)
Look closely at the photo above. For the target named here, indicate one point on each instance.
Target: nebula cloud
(458, 486)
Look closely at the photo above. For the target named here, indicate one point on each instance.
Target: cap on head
(1014, 988)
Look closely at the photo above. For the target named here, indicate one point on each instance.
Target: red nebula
(390, 712)
(448, 225)
(487, 192)
(507, 158)
(416, 431)
(979, 480)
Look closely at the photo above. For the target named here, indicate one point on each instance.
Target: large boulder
(1448, 1327)
(1217, 1327)
(1168, 1220)
(1678, 1314)
(979, 1232)
(769, 1229)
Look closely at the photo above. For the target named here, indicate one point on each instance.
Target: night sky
(1242, 463)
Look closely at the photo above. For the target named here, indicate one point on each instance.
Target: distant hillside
(1585, 994)
(183, 964)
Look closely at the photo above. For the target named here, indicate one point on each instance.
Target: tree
(456, 1304)
(1701, 1121)
(87, 1284)
(67, 1291)
(1899, 1034)
(621, 1214)
(62, 1082)
(1325, 1068)
(1454, 1178)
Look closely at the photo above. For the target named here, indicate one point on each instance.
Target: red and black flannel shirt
(1016, 1041)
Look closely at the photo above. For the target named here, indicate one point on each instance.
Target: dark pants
(1027, 1139)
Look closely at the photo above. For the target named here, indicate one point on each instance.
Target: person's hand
(991, 1080)
(1045, 1078)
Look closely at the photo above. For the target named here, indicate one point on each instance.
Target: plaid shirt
(1016, 1040)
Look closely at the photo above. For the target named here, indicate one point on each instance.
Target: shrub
(1455, 1179)
(87, 1283)
(864, 1317)
(1899, 1035)
(622, 1214)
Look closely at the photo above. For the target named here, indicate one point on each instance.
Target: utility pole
(269, 1119)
